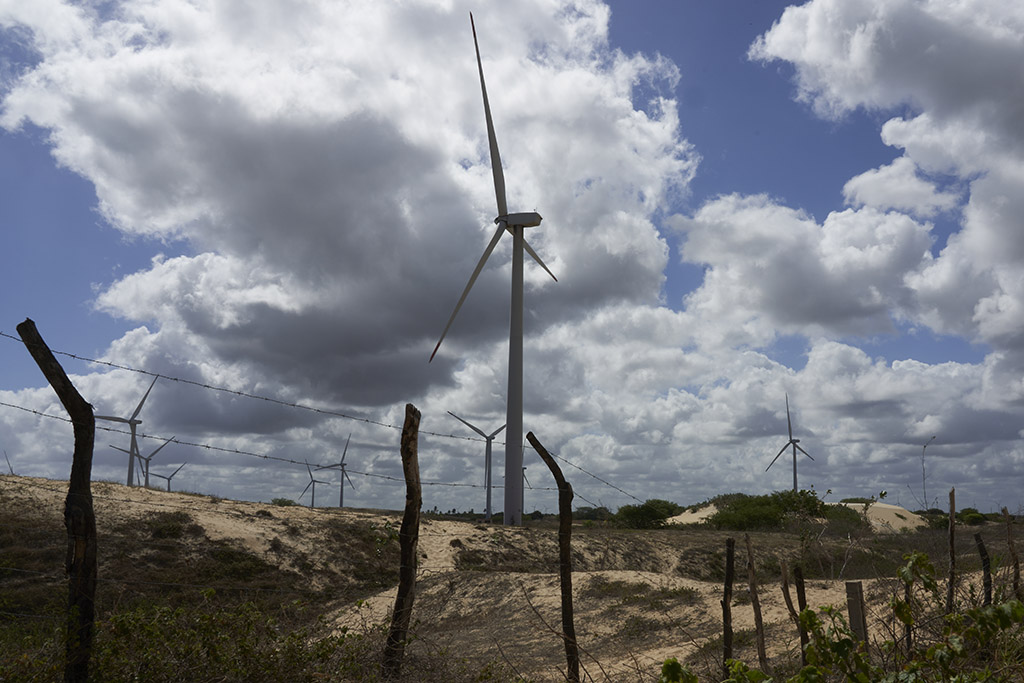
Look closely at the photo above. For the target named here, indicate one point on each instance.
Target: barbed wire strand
(299, 406)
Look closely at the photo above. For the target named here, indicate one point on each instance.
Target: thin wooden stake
(908, 628)
(762, 655)
(572, 653)
(801, 601)
(952, 551)
(730, 570)
(1013, 555)
(79, 516)
(986, 569)
(855, 607)
(408, 538)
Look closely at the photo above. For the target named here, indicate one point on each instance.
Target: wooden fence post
(952, 551)
(408, 538)
(762, 655)
(986, 569)
(79, 516)
(856, 610)
(801, 601)
(1013, 555)
(572, 653)
(730, 567)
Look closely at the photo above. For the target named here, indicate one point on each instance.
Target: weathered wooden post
(856, 610)
(572, 653)
(1013, 555)
(408, 538)
(762, 654)
(730, 555)
(986, 569)
(792, 610)
(801, 601)
(952, 551)
(79, 517)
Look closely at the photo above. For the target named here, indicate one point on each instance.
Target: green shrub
(740, 512)
(650, 514)
(283, 502)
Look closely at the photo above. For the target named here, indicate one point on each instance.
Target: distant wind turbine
(312, 482)
(9, 466)
(171, 475)
(132, 423)
(344, 474)
(795, 443)
(487, 459)
(144, 460)
(514, 224)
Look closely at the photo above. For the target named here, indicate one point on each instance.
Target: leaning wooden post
(952, 551)
(730, 554)
(572, 653)
(79, 517)
(762, 655)
(1013, 555)
(856, 610)
(801, 601)
(986, 569)
(408, 538)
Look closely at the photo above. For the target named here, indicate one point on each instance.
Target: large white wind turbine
(344, 474)
(132, 423)
(514, 224)
(312, 482)
(170, 476)
(487, 459)
(795, 443)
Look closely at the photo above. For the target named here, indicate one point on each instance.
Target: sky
(742, 202)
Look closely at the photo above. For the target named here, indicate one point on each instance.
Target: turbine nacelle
(529, 219)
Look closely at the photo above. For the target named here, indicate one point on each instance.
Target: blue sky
(740, 202)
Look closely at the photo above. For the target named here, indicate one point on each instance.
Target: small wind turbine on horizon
(144, 460)
(171, 475)
(487, 459)
(344, 474)
(795, 443)
(514, 224)
(312, 482)
(132, 423)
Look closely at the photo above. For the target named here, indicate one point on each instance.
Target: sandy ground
(623, 639)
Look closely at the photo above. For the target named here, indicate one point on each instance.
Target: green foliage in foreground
(651, 514)
(979, 644)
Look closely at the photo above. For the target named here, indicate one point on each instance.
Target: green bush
(283, 502)
(740, 512)
(650, 514)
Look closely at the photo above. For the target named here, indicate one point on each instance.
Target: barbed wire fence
(601, 482)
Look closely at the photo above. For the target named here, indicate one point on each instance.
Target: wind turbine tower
(487, 459)
(514, 224)
(344, 474)
(795, 443)
(132, 423)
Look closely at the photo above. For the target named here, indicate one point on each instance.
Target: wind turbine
(795, 443)
(487, 460)
(312, 482)
(514, 224)
(132, 423)
(144, 460)
(344, 474)
(171, 475)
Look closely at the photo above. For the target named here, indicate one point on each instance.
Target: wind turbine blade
(789, 422)
(310, 471)
(499, 177)
(478, 431)
(527, 480)
(111, 418)
(118, 448)
(495, 432)
(351, 483)
(177, 470)
(138, 409)
(345, 452)
(469, 285)
(776, 457)
(531, 252)
(803, 451)
(159, 447)
(305, 489)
